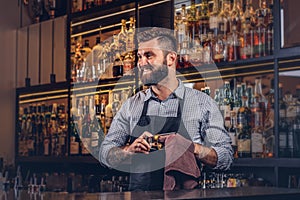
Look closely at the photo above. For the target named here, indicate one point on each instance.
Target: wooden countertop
(255, 193)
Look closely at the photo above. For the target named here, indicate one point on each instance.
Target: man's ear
(171, 58)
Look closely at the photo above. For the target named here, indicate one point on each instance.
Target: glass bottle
(262, 100)
(283, 125)
(108, 111)
(233, 133)
(235, 16)
(204, 17)
(214, 18)
(224, 23)
(234, 43)
(128, 64)
(184, 57)
(257, 135)
(244, 130)
(104, 63)
(182, 27)
(86, 134)
(259, 37)
(237, 98)
(130, 36)
(269, 45)
(192, 22)
(122, 37)
(97, 49)
(196, 53)
(207, 49)
(227, 103)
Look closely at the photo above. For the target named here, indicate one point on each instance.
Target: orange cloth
(181, 171)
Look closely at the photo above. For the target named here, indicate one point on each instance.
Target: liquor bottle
(269, 35)
(250, 95)
(226, 106)
(47, 132)
(102, 110)
(114, 48)
(243, 128)
(86, 49)
(234, 43)
(223, 18)
(108, 111)
(204, 18)
(196, 53)
(217, 96)
(207, 90)
(260, 37)
(223, 27)
(104, 62)
(94, 128)
(40, 129)
(237, 98)
(128, 64)
(130, 35)
(184, 57)
(296, 128)
(22, 146)
(86, 134)
(235, 16)
(63, 129)
(74, 139)
(118, 66)
(214, 18)
(257, 135)
(122, 37)
(192, 22)
(283, 126)
(30, 124)
(96, 67)
(290, 140)
(181, 24)
(246, 40)
(207, 50)
(233, 133)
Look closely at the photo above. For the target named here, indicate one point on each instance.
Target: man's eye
(148, 55)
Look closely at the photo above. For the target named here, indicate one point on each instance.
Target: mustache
(148, 66)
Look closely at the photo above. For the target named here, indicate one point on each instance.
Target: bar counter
(255, 193)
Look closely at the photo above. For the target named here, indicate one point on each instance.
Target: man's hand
(206, 155)
(140, 145)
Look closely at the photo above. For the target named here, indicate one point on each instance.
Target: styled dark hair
(165, 37)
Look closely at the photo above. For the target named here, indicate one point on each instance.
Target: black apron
(147, 170)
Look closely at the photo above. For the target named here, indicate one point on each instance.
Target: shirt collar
(178, 92)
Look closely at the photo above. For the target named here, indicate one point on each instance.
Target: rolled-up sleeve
(117, 135)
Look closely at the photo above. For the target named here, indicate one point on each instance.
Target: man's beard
(155, 76)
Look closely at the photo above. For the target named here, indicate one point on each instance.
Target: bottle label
(290, 139)
(74, 148)
(257, 142)
(282, 139)
(233, 138)
(213, 22)
(85, 145)
(46, 147)
(94, 139)
(244, 145)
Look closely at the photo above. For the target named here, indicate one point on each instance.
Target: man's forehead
(151, 44)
